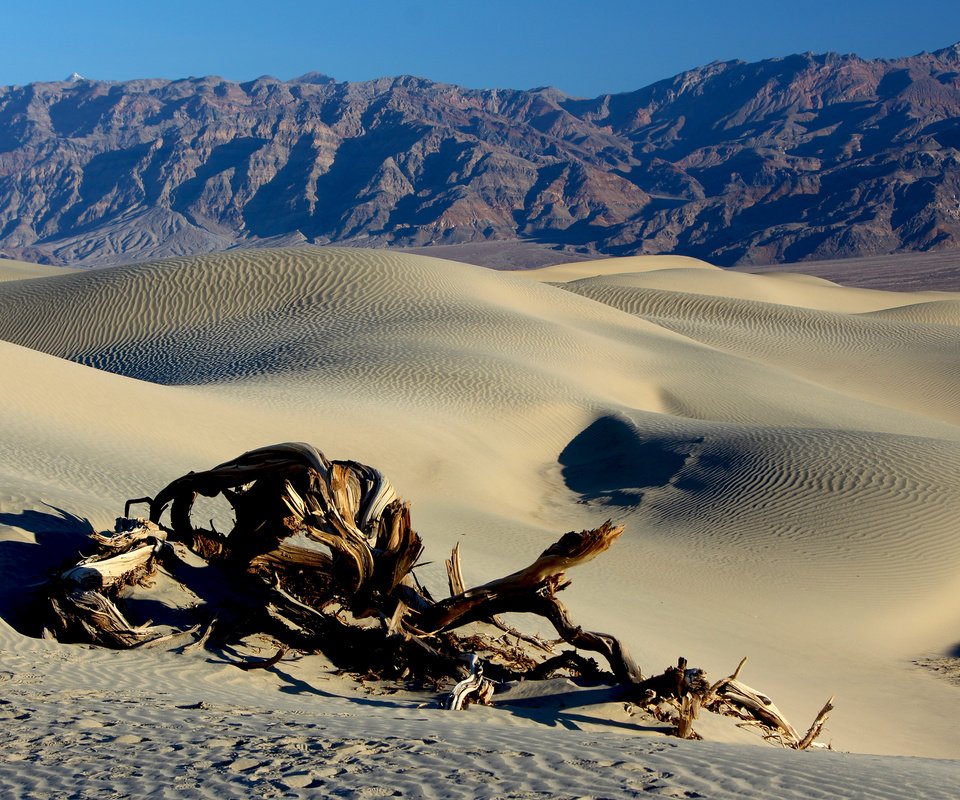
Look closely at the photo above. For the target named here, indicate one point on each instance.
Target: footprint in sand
(299, 780)
(244, 764)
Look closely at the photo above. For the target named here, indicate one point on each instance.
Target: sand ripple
(884, 358)
(784, 453)
(67, 740)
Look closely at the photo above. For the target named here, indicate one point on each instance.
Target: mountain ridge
(801, 157)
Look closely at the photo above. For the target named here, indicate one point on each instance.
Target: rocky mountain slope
(805, 157)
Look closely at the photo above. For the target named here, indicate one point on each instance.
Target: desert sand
(783, 451)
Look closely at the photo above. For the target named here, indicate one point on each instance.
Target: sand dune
(885, 359)
(801, 291)
(934, 312)
(783, 451)
(11, 270)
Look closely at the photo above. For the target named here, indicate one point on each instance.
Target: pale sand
(11, 270)
(784, 453)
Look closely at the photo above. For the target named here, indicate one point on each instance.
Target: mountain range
(789, 159)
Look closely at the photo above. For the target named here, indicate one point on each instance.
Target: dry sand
(783, 451)
(11, 270)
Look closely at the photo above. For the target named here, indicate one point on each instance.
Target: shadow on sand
(58, 537)
(551, 703)
(610, 461)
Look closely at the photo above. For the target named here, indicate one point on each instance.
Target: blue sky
(586, 47)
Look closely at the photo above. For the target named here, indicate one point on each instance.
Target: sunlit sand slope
(783, 451)
(22, 270)
(900, 360)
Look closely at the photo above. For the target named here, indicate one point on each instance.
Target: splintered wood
(319, 547)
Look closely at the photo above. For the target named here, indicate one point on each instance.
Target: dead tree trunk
(369, 547)
(311, 533)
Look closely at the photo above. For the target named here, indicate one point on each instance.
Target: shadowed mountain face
(806, 157)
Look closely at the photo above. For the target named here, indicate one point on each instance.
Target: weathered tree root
(687, 691)
(320, 545)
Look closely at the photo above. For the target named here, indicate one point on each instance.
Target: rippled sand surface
(784, 452)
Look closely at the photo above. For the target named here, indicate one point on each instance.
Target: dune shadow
(59, 537)
(610, 462)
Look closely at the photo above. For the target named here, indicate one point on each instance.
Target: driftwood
(83, 603)
(319, 546)
(687, 691)
(473, 688)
